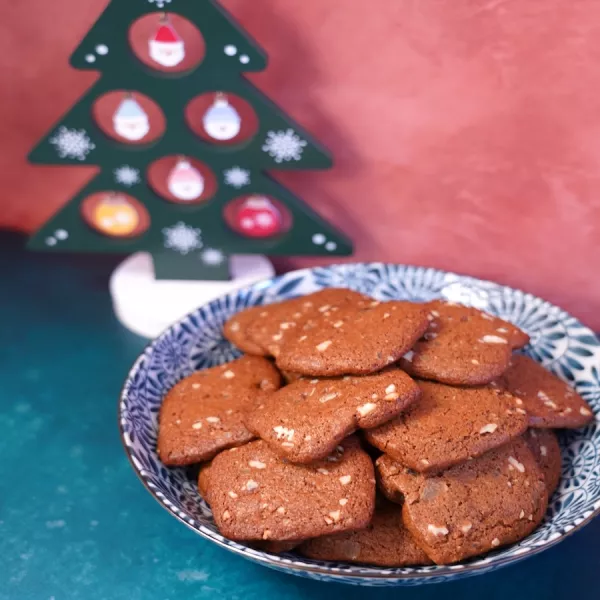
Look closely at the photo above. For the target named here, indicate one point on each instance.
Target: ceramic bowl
(559, 341)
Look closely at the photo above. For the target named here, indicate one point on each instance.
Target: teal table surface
(76, 524)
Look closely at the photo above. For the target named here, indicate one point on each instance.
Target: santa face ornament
(221, 121)
(166, 47)
(185, 182)
(130, 121)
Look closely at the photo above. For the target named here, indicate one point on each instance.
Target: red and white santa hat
(183, 172)
(166, 34)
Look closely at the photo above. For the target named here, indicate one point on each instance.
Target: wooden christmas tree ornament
(237, 138)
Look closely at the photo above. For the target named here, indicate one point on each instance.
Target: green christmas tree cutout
(216, 198)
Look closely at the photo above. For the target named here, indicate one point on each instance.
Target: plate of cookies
(372, 424)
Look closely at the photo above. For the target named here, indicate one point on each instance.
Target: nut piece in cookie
(472, 508)
(202, 414)
(306, 420)
(357, 339)
(463, 346)
(276, 323)
(449, 425)
(544, 445)
(255, 495)
(385, 542)
(548, 400)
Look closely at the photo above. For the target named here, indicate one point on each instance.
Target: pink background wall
(466, 133)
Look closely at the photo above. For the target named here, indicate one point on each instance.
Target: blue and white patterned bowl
(558, 340)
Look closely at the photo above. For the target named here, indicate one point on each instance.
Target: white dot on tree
(61, 234)
(230, 50)
(90, 58)
(244, 59)
(102, 49)
(50, 241)
(318, 239)
(331, 246)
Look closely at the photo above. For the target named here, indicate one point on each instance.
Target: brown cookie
(201, 415)
(273, 547)
(548, 400)
(255, 495)
(385, 542)
(449, 425)
(463, 346)
(203, 478)
(480, 505)
(276, 547)
(546, 449)
(306, 420)
(356, 340)
(275, 323)
(236, 327)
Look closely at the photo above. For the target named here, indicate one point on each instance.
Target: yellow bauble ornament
(115, 216)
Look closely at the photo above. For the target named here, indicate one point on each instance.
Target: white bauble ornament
(185, 182)
(166, 47)
(221, 121)
(130, 121)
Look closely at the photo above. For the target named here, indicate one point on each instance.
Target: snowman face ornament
(132, 128)
(221, 121)
(130, 121)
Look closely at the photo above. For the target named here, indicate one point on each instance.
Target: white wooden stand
(147, 306)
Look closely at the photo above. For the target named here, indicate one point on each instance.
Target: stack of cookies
(385, 433)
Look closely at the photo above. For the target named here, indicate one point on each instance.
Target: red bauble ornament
(258, 217)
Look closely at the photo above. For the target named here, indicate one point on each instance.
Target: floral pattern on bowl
(558, 340)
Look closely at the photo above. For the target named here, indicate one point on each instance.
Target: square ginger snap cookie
(271, 325)
(463, 346)
(305, 420)
(202, 414)
(356, 340)
(449, 425)
(472, 508)
(384, 542)
(255, 495)
(549, 401)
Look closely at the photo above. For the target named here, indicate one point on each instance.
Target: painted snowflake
(159, 3)
(72, 143)
(212, 257)
(284, 146)
(127, 175)
(182, 238)
(237, 177)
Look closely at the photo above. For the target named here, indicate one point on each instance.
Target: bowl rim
(272, 561)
